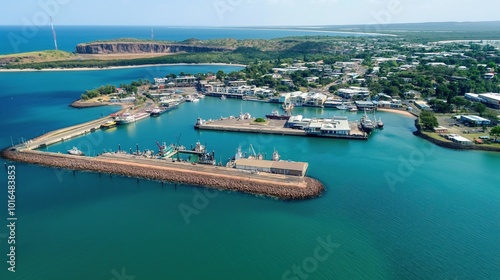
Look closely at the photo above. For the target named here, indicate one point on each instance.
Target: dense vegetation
(128, 89)
(102, 90)
(428, 120)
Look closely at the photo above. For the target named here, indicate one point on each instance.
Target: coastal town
(455, 80)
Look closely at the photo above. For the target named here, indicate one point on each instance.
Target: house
(287, 82)
(237, 83)
(298, 98)
(312, 79)
(489, 76)
(440, 129)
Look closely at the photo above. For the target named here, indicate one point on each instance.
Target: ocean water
(16, 39)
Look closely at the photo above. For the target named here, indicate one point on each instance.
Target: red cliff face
(124, 47)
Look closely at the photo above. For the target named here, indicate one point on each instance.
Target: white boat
(380, 124)
(125, 119)
(276, 156)
(140, 116)
(192, 98)
(74, 151)
(222, 97)
(352, 108)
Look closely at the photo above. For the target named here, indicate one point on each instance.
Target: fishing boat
(155, 112)
(352, 108)
(275, 115)
(366, 124)
(108, 124)
(75, 152)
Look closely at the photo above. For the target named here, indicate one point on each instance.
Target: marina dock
(283, 186)
(276, 127)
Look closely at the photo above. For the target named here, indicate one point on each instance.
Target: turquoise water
(16, 39)
(438, 218)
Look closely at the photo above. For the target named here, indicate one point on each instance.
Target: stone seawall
(241, 183)
(451, 145)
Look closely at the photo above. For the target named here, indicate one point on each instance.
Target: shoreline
(397, 111)
(117, 67)
(452, 145)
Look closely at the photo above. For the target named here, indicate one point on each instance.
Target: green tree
(480, 108)
(495, 132)
(428, 120)
(460, 102)
(220, 75)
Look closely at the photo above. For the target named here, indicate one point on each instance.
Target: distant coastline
(117, 67)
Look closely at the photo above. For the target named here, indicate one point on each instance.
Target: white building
(336, 126)
(316, 99)
(298, 98)
(353, 91)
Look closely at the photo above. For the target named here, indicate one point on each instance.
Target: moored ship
(108, 124)
(275, 115)
(366, 124)
(75, 152)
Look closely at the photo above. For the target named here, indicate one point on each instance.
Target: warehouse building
(275, 167)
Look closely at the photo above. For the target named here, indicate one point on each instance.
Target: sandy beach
(396, 111)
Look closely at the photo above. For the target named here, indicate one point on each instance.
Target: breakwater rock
(143, 47)
(240, 183)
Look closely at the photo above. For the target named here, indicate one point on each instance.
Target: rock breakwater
(261, 186)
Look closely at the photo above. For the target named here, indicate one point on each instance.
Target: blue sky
(245, 12)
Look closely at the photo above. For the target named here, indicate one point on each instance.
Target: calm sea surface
(396, 207)
(15, 39)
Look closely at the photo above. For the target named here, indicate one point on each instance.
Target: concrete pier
(222, 178)
(271, 127)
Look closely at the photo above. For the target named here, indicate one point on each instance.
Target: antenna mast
(53, 33)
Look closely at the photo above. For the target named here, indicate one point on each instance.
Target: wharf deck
(271, 127)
